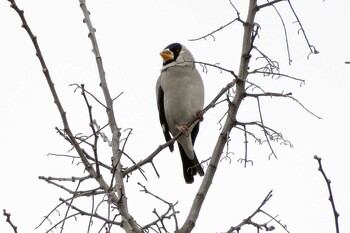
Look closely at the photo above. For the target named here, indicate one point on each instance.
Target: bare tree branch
(287, 95)
(284, 226)
(285, 33)
(114, 193)
(211, 34)
(269, 4)
(248, 221)
(170, 213)
(70, 204)
(205, 64)
(91, 124)
(311, 47)
(8, 219)
(67, 131)
(273, 74)
(130, 224)
(95, 215)
(331, 199)
(89, 93)
(230, 121)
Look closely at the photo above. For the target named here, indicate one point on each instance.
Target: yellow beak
(167, 55)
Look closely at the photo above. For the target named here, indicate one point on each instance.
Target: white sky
(130, 36)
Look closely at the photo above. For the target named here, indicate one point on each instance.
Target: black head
(176, 49)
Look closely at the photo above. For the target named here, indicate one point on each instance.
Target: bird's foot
(183, 129)
(200, 114)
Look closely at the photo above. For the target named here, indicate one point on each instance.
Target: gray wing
(160, 104)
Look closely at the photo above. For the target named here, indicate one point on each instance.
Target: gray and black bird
(180, 98)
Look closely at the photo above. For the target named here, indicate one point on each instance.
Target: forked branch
(249, 219)
(130, 224)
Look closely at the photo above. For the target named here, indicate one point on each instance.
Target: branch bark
(120, 200)
(122, 204)
(57, 101)
(230, 121)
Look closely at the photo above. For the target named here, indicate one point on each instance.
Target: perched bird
(180, 98)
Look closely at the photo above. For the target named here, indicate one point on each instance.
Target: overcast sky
(130, 35)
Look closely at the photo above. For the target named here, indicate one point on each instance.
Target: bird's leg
(183, 129)
(200, 114)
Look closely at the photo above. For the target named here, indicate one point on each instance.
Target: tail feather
(190, 167)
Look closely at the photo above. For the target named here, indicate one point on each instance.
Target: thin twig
(277, 221)
(249, 219)
(211, 34)
(235, 8)
(265, 132)
(92, 212)
(331, 199)
(70, 204)
(287, 95)
(91, 124)
(265, 73)
(95, 215)
(311, 47)
(268, 4)
(48, 215)
(285, 33)
(58, 223)
(205, 64)
(245, 147)
(72, 179)
(89, 93)
(166, 215)
(271, 64)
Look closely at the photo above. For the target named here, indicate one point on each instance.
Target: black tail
(190, 167)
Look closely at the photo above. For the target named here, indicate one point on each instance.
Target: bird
(180, 98)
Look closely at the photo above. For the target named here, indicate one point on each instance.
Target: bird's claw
(183, 129)
(200, 114)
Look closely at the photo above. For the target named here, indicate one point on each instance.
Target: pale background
(130, 36)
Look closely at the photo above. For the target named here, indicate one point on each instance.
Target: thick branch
(116, 152)
(229, 123)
